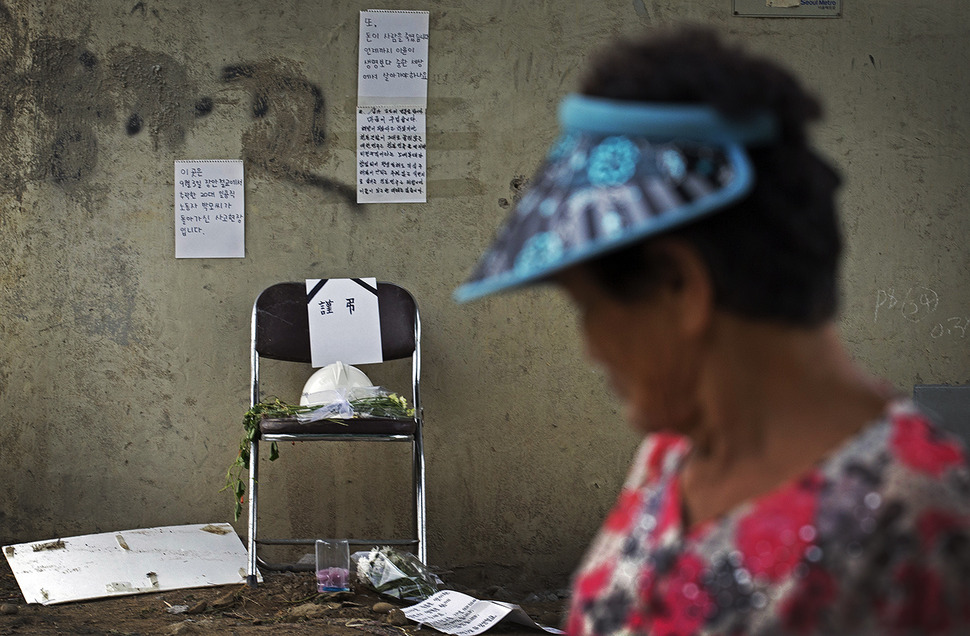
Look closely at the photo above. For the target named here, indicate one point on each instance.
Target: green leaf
(391, 405)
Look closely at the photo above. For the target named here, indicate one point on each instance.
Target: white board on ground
(127, 562)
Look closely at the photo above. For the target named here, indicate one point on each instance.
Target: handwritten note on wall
(393, 58)
(391, 154)
(392, 95)
(209, 209)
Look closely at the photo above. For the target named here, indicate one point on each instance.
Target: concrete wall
(123, 373)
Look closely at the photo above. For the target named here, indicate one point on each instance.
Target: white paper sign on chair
(345, 321)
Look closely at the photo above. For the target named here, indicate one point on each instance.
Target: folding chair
(280, 331)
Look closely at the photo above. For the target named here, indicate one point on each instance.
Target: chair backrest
(281, 328)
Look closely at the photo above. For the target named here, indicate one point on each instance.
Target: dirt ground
(285, 603)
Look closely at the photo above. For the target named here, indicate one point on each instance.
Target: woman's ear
(690, 287)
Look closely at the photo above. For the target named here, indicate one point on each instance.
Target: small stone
(305, 611)
(396, 617)
(9, 609)
(382, 608)
(198, 608)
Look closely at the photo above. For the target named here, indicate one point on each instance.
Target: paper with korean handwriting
(209, 209)
(391, 155)
(344, 320)
(392, 98)
(392, 65)
(462, 615)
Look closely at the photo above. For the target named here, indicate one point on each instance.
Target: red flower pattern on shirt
(920, 607)
(621, 517)
(869, 542)
(934, 522)
(802, 611)
(921, 447)
(681, 595)
(773, 536)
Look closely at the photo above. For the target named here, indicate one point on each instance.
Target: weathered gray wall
(123, 373)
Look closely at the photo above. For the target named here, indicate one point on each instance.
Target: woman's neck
(773, 401)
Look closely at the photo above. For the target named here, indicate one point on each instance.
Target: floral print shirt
(875, 539)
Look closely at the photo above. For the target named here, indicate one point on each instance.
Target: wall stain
(155, 91)
(12, 48)
(286, 136)
(107, 310)
(67, 84)
(70, 94)
(203, 106)
(73, 154)
(133, 127)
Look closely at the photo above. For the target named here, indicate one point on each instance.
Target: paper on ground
(127, 562)
(462, 615)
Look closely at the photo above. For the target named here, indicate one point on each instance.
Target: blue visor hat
(620, 172)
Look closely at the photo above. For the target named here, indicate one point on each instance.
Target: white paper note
(344, 320)
(392, 62)
(391, 157)
(392, 95)
(209, 209)
(462, 615)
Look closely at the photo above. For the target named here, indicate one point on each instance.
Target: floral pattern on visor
(596, 192)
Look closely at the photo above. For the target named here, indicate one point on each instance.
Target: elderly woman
(778, 489)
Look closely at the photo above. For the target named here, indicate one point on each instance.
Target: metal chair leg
(417, 462)
(252, 572)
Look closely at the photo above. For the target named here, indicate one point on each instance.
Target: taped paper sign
(209, 209)
(345, 321)
(392, 65)
(392, 98)
(391, 155)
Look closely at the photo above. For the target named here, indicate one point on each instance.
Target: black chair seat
(356, 426)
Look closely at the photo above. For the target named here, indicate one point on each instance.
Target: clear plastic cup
(333, 566)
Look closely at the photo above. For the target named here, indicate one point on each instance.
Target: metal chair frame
(419, 530)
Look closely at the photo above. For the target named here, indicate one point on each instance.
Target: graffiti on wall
(73, 96)
(288, 123)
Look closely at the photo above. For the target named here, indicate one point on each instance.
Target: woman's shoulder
(910, 550)
(904, 448)
(659, 454)
(922, 447)
(904, 482)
